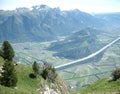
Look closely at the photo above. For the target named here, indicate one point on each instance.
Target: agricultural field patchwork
(27, 53)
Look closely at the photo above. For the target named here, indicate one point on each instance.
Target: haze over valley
(42, 33)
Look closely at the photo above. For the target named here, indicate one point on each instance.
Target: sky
(90, 6)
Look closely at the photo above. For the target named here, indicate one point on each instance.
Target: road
(60, 67)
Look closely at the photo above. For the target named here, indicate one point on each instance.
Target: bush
(49, 72)
(35, 68)
(31, 75)
(116, 74)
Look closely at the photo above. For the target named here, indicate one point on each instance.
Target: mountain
(88, 40)
(111, 21)
(78, 45)
(110, 18)
(42, 23)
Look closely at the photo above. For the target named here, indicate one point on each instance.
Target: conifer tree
(9, 76)
(8, 52)
(35, 68)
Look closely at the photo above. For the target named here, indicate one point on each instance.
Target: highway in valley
(63, 66)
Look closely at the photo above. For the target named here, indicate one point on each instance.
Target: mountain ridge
(77, 45)
(42, 23)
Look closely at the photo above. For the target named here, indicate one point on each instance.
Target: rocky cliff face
(58, 87)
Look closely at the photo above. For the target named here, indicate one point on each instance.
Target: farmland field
(29, 52)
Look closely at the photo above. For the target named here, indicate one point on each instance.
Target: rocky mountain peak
(40, 7)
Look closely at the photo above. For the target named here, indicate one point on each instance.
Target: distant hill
(42, 23)
(78, 45)
(110, 18)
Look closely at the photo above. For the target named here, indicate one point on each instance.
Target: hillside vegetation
(102, 86)
(22, 79)
(77, 45)
(27, 85)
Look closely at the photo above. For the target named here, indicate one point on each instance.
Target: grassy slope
(25, 84)
(102, 87)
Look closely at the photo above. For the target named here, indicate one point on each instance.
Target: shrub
(35, 68)
(116, 74)
(49, 72)
(31, 75)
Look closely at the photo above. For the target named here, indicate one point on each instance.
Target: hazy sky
(83, 5)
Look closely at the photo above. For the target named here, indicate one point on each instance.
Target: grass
(7, 90)
(1, 61)
(25, 84)
(102, 86)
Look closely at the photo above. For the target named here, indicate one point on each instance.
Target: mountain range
(82, 30)
(42, 23)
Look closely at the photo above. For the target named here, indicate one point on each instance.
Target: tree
(116, 74)
(49, 72)
(9, 76)
(52, 75)
(1, 53)
(35, 68)
(8, 52)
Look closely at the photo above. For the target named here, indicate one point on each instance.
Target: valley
(30, 52)
(82, 47)
(78, 76)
